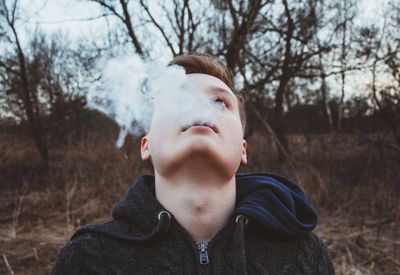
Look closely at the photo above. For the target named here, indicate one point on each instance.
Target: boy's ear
(244, 152)
(145, 148)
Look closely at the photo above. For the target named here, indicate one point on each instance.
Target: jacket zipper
(203, 253)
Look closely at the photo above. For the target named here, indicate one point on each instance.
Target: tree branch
(171, 47)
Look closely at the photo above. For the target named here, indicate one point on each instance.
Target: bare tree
(244, 17)
(326, 111)
(347, 13)
(180, 33)
(29, 98)
(289, 53)
(121, 11)
(380, 48)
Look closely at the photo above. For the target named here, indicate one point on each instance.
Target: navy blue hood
(273, 205)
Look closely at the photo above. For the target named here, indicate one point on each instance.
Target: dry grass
(353, 185)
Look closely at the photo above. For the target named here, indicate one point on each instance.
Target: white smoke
(129, 90)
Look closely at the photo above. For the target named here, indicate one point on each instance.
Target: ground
(352, 184)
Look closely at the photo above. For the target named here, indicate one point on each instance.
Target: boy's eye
(223, 102)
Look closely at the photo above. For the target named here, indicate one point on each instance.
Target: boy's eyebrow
(222, 90)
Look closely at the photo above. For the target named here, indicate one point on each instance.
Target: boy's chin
(201, 160)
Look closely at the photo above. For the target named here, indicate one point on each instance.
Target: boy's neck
(202, 203)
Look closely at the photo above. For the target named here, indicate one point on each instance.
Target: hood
(274, 205)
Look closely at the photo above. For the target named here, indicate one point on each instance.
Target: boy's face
(219, 142)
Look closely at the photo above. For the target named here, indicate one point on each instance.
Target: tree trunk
(128, 24)
(278, 118)
(34, 124)
(283, 82)
(326, 111)
(343, 67)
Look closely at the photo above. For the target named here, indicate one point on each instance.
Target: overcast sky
(69, 17)
(66, 15)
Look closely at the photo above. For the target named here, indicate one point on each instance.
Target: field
(353, 183)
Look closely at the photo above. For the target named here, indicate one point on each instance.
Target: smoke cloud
(131, 91)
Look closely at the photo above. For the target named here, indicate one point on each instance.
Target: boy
(195, 215)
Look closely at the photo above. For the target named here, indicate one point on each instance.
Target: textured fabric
(278, 204)
(269, 233)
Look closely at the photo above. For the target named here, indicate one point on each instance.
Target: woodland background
(322, 89)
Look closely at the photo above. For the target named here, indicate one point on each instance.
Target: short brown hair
(207, 64)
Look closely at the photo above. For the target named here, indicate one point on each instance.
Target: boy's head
(207, 64)
(217, 141)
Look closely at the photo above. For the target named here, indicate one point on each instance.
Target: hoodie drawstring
(239, 252)
(164, 221)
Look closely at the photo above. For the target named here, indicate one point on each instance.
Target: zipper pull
(203, 252)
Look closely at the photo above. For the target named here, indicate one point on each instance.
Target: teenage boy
(196, 215)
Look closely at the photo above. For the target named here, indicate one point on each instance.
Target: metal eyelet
(164, 212)
(242, 216)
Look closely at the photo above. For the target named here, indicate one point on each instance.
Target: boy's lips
(209, 125)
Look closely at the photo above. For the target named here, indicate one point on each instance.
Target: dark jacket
(269, 233)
